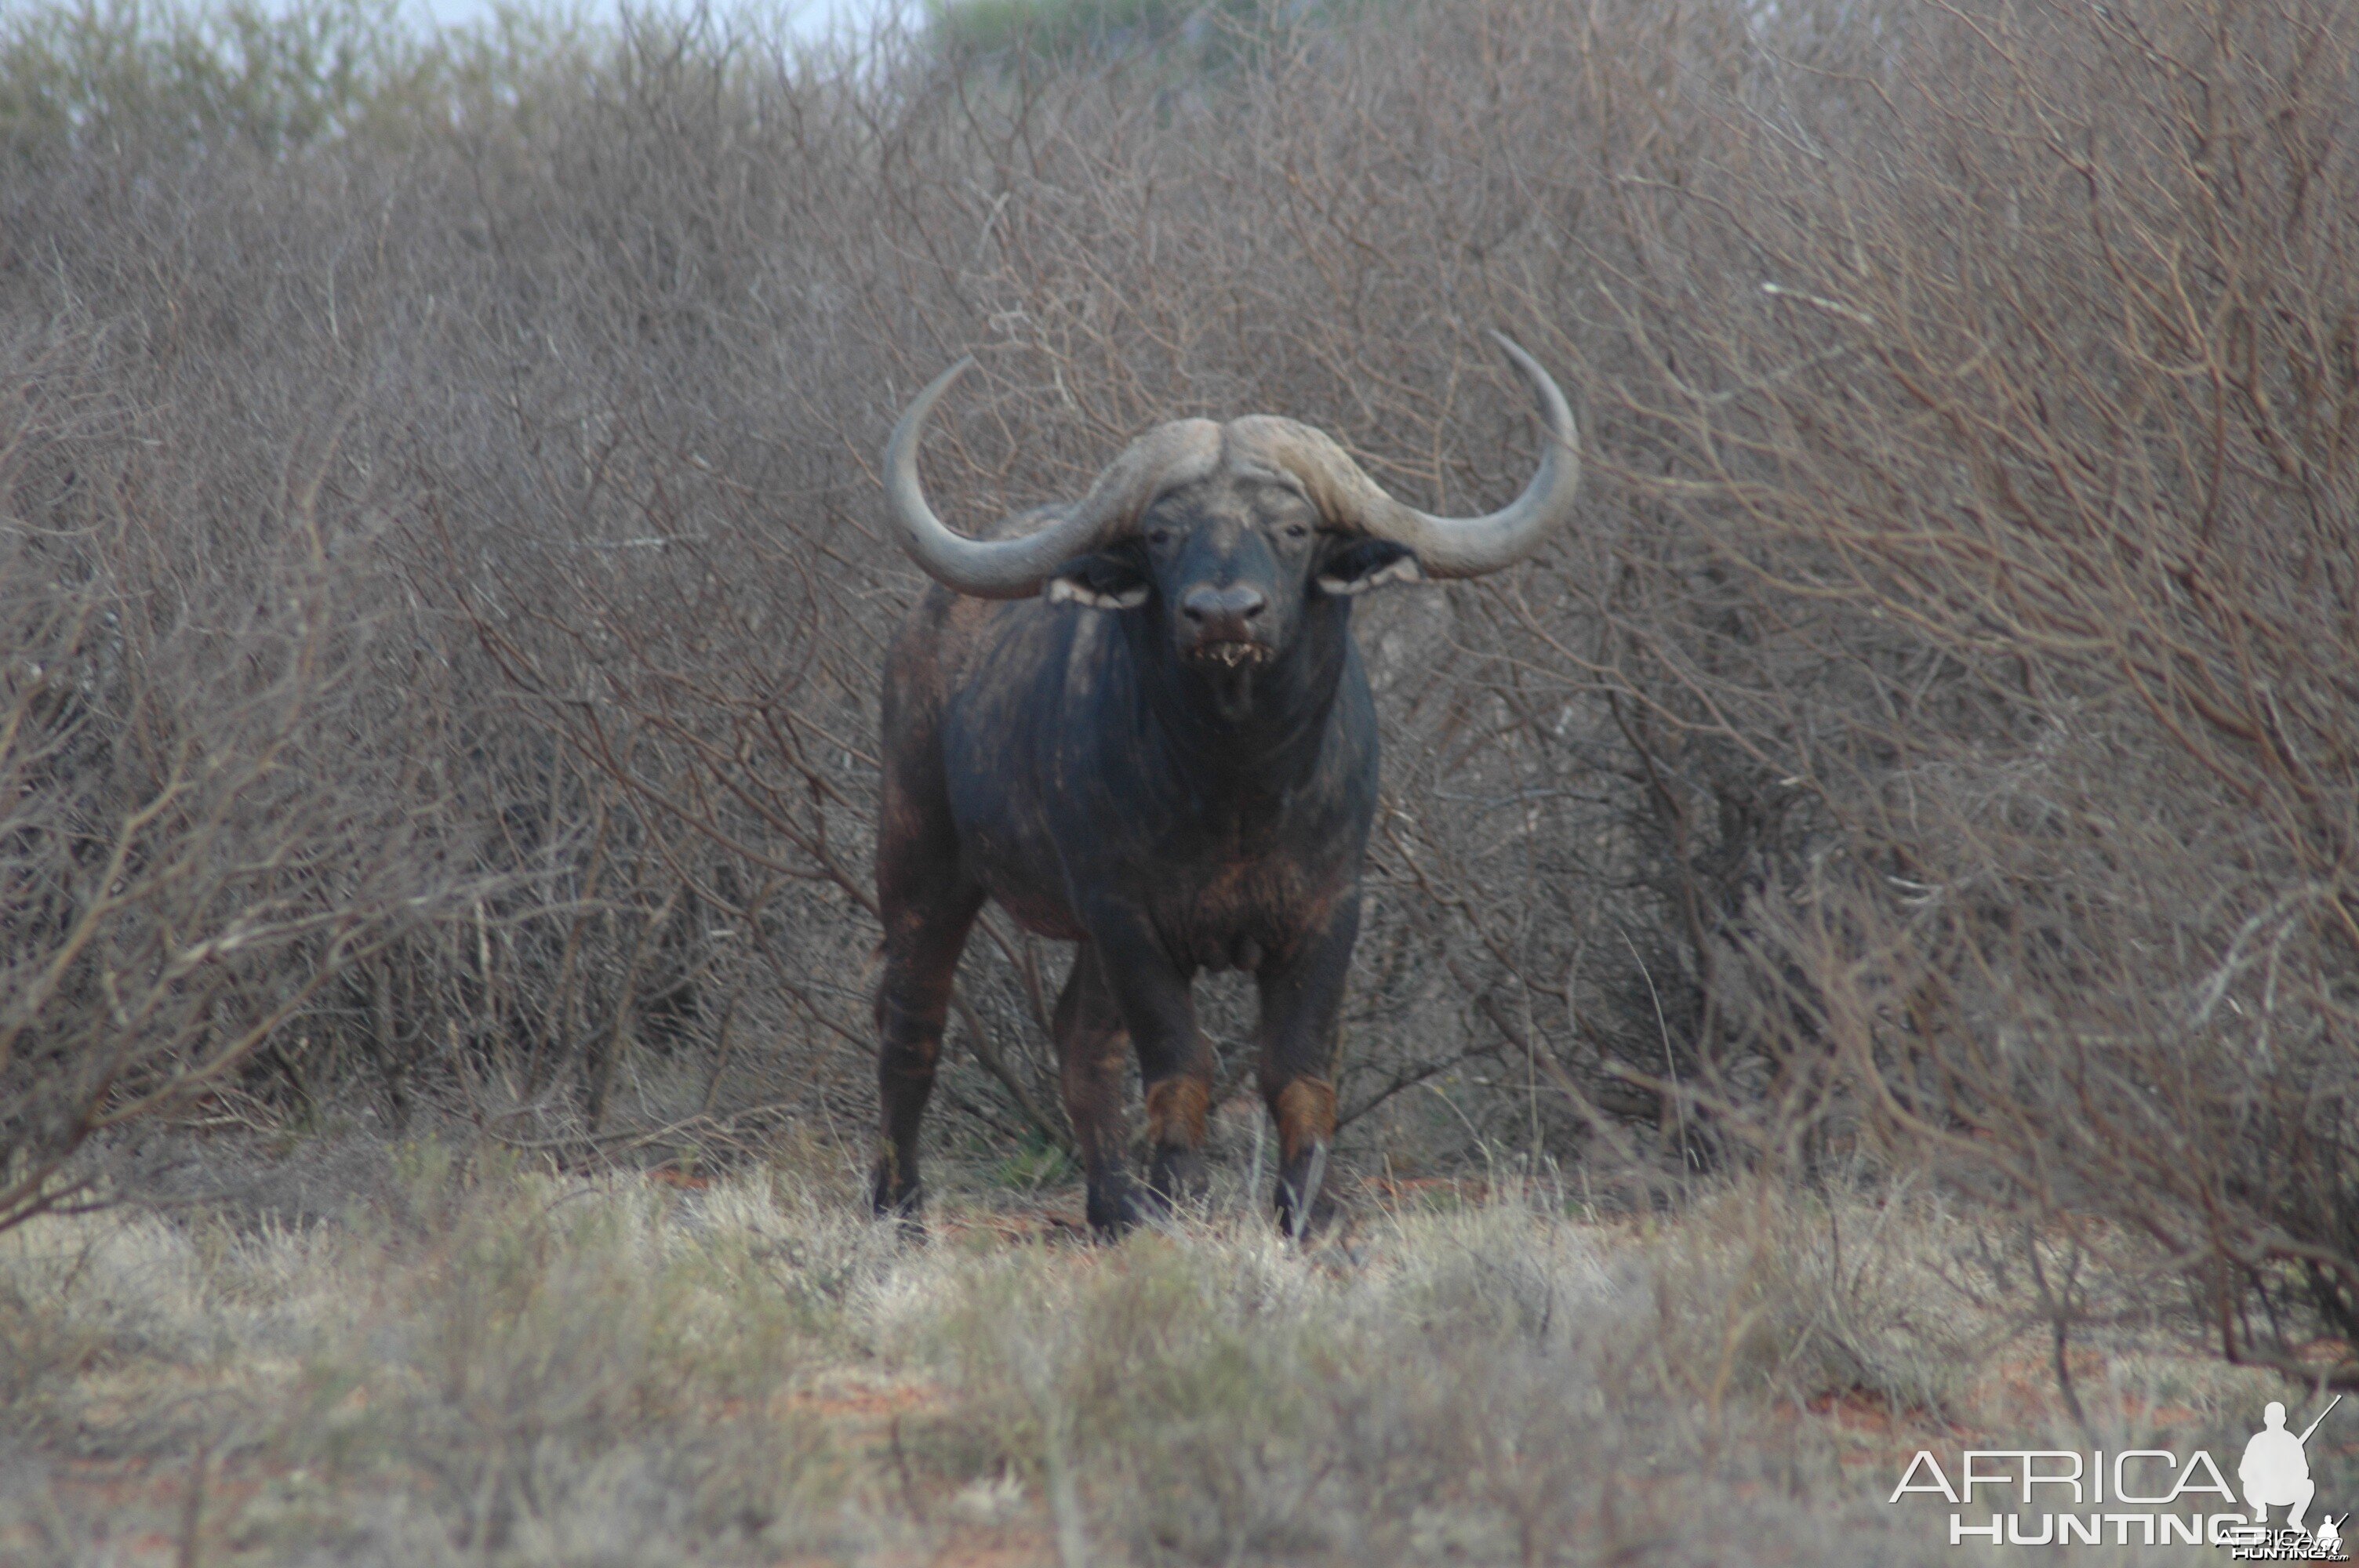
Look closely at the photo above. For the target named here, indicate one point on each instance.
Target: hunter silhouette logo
(2140, 1496)
(2275, 1474)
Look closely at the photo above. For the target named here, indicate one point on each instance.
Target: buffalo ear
(1106, 580)
(1363, 564)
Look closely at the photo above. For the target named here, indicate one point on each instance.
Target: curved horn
(988, 568)
(1469, 546)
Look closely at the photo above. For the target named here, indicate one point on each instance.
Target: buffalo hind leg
(1093, 1062)
(921, 952)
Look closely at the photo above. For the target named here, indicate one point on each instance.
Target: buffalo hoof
(1115, 1210)
(899, 1203)
(1303, 1204)
(1177, 1176)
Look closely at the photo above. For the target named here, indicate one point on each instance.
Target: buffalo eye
(1158, 536)
(1297, 530)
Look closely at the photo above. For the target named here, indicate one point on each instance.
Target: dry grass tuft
(541, 1369)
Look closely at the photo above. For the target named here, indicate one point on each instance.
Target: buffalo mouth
(1231, 655)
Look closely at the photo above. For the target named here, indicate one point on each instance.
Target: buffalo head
(1229, 534)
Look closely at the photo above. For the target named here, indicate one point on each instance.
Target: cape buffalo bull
(1140, 722)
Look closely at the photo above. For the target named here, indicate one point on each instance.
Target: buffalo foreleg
(1092, 1057)
(1177, 1105)
(1148, 993)
(1301, 1007)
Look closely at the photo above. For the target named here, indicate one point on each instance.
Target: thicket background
(444, 588)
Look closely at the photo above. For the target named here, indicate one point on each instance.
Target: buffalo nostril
(1237, 602)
